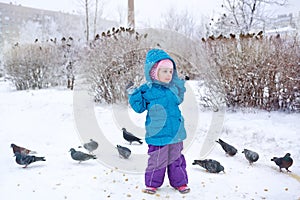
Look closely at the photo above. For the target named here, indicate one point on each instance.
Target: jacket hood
(152, 57)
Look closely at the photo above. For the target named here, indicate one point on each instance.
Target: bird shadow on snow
(132, 144)
(83, 164)
(283, 172)
(206, 172)
(33, 167)
(121, 159)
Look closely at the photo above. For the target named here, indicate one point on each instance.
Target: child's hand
(129, 85)
(129, 88)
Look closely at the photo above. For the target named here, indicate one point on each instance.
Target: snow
(43, 120)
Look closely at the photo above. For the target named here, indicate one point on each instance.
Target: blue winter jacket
(164, 122)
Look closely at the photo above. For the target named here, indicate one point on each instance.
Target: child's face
(165, 75)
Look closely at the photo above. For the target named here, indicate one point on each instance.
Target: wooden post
(130, 13)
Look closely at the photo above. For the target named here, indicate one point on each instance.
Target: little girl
(165, 131)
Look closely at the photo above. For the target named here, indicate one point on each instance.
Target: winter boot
(183, 189)
(150, 190)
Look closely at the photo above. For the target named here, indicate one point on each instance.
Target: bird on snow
(80, 156)
(91, 146)
(21, 150)
(210, 165)
(130, 137)
(283, 162)
(229, 149)
(251, 156)
(24, 159)
(124, 152)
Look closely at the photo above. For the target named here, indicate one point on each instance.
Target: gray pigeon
(229, 149)
(25, 159)
(124, 152)
(210, 165)
(80, 156)
(130, 137)
(283, 162)
(91, 146)
(21, 150)
(251, 156)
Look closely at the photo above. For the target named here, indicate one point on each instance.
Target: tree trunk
(131, 13)
(87, 19)
(95, 19)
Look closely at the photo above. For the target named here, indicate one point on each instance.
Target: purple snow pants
(162, 158)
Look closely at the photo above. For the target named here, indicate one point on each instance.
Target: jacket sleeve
(136, 99)
(181, 89)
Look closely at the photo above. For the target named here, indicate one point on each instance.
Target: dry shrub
(112, 60)
(256, 71)
(39, 65)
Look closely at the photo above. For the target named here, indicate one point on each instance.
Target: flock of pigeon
(214, 166)
(24, 157)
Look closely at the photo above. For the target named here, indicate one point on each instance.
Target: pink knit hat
(166, 63)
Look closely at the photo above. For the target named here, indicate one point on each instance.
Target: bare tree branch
(241, 16)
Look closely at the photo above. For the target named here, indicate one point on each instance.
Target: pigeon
(210, 165)
(251, 156)
(21, 150)
(283, 162)
(24, 159)
(91, 146)
(124, 152)
(80, 156)
(229, 149)
(130, 137)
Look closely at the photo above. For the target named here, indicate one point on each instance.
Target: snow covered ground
(43, 120)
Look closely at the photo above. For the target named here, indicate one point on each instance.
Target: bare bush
(38, 65)
(32, 66)
(114, 59)
(117, 56)
(256, 71)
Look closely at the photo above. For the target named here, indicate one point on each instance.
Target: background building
(24, 24)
